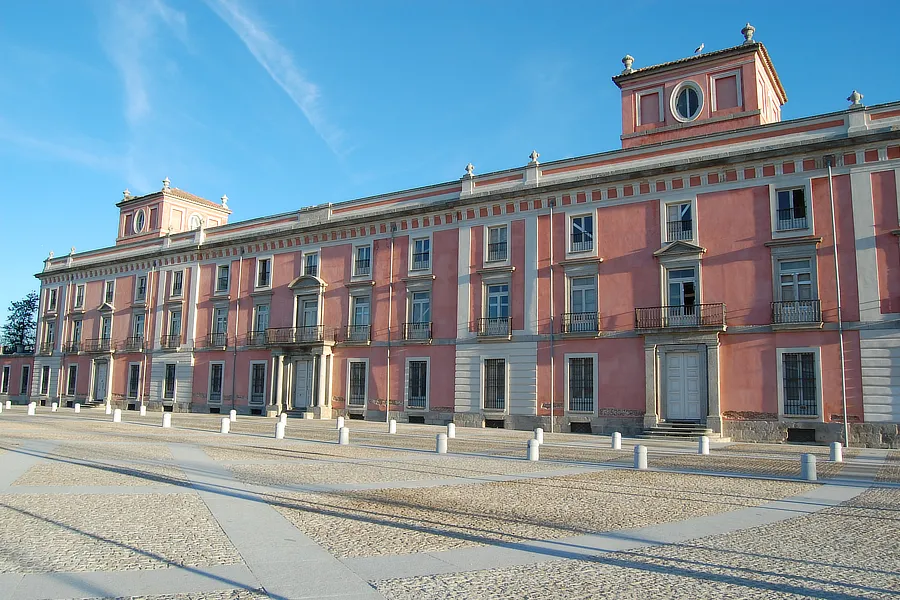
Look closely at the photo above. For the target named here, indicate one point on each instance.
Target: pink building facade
(690, 277)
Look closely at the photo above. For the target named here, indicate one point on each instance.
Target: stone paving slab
(890, 470)
(742, 465)
(786, 449)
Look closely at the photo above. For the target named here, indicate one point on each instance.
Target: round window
(687, 100)
(140, 220)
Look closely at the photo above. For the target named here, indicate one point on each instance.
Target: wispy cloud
(279, 64)
(73, 151)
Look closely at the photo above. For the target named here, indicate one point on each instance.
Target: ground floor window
(71, 380)
(357, 393)
(216, 376)
(581, 384)
(418, 384)
(495, 384)
(134, 380)
(169, 382)
(45, 380)
(26, 380)
(4, 383)
(257, 383)
(799, 381)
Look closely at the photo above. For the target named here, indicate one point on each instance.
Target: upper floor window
(583, 295)
(79, 296)
(311, 264)
(498, 301)
(687, 100)
(362, 263)
(51, 300)
(140, 290)
(263, 272)
(791, 210)
(222, 278)
(49, 333)
(177, 283)
(421, 258)
(679, 223)
(582, 233)
(76, 331)
(105, 327)
(140, 221)
(796, 280)
(261, 318)
(497, 245)
(137, 326)
(220, 320)
(360, 310)
(110, 293)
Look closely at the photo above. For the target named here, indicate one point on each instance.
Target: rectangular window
(679, 224)
(416, 397)
(494, 384)
(222, 278)
(726, 92)
(177, 283)
(421, 258)
(799, 371)
(105, 327)
(134, 380)
(498, 301)
(216, 376)
(26, 380)
(140, 290)
(497, 248)
(71, 380)
(582, 315)
(169, 383)
(791, 209)
(175, 323)
(362, 264)
(49, 334)
(51, 300)
(682, 291)
(76, 331)
(4, 382)
(261, 318)
(582, 233)
(311, 264)
(581, 384)
(137, 326)
(796, 280)
(257, 383)
(358, 331)
(649, 108)
(357, 395)
(220, 321)
(45, 380)
(79, 296)
(264, 272)
(110, 293)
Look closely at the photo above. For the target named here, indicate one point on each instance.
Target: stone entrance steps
(683, 431)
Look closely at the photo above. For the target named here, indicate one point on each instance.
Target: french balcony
(679, 230)
(97, 345)
(171, 341)
(73, 347)
(299, 336)
(134, 343)
(216, 340)
(496, 252)
(360, 334)
(420, 332)
(256, 338)
(47, 347)
(580, 322)
(362, 267)
(797, 313)
(311, 270)
(582, 245)
(421, 261)
(791, 218)
(495, 327)
(696, 316)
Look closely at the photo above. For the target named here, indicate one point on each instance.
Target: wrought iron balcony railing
(496, 252)
(359, 333)
(292, 336)
(582, 245)
(362, 266)
(495, 327)
(97, 345)
(796, 311)
(134, 343)
(256, 338)
(791, 218)
(684, 315)
(581, 322)
(170, 341)
(47, 347)
(417, 331)
(679, 230)
(73, 347)
(421, 261)
(216, 340)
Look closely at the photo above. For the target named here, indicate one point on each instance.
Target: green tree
(21, 322)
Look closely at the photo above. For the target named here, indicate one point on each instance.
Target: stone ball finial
(72, 251)
(748, 32)
(224, 200)
(628, 61)
(49, 256)
(855, 99)
(126, 194)
(165, 183)
(534, 157)
(470, 170)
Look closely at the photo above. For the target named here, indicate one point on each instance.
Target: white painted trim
(713, 79)
(259, 259)
(80, 286)
(307, 252)
(663, 217)
(170, 280)
(218, 266)
(789, 183)
(791, 254)
(427, 361)
(353, 257)
(265, 365)
(486, 243)
(209, 371)
(134, 221)
(687, 263)
(779, 357)
(412, 248)
(463, 290)
(569, 275)
(673, 98)
(365, 403)
(864, 243)
(137, 278)
(661, 95)
(567, 357)
(570, 218)
(531, 274)
(106, 285)
(140, 385)
(481, 382)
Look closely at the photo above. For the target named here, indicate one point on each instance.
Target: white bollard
(54, 407)
(640, 457)
(703, 446)
(232, 415)
(1, 409)
(837, 453)
(8, 404)
(340, 423)
(31, 408)
(534, 448)
(344, 436)
(77, 407)
(143, 410)
(117, 415)
(441, 445)
(226, 425)
(539, 435)
(279, 430)
(283, 418)
(108, 408)
(616, 440)
(392, 426)
(451, 430)
(808, 467)
(167, 420)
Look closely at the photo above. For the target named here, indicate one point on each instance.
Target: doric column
(321, 381)
(279, 389)
(714, 417)
(651, 417)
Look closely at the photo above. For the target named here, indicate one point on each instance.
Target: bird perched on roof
(699, 49)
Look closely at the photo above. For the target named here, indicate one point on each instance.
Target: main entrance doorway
(303, 383)
(101, 373)
(683, 387)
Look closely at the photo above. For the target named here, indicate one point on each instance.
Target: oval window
(687, 102)
(139, 221)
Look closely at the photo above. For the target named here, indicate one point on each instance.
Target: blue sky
(282, 104)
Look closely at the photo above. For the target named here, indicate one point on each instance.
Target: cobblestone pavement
(93, 509)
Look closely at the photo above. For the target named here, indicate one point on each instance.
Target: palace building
(723, 270)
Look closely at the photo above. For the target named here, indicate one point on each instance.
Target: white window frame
(217, 291)
(354, 298)
(69, 380)
(365, 404)
(570, 287)
(259, 261)
(487, 244)
(209, 380)
(713, 80)
(46, 373)
(567, 391)
(79, 293)
(255, 316)
(412, 252)
(299, 300)
(137, 286)
(25, 379)
(482, 380)
(213, 326)
(673, 100)
(128, 381)
(676, 266)
(317, 252)
(661, 94)
(100, 330)
(77, 327)
(486, 284)
(779, 357)
(664, 219)
(356, 249)
(106, 286)
(174, 381)
(4, 379)
(52, 300)
(790, 184)
(265, 365)
(49, 333)
(570, 230)
(134, 221)
(427, 361)
(169, 322)
(172, 276)
(143, 332)
(813, 278)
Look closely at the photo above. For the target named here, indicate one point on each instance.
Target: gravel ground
(45, 533)
(851, 551)
(402, 521)
(88, 452)
(890, 470)
(795, 449)
(100, 473)
(295, 451)
(740, 465)
(220, 595)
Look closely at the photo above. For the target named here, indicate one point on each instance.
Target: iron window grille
(581, 384)
(418, 384)
(495, 384)
(800, 397)
(258, 384)
(357, 395)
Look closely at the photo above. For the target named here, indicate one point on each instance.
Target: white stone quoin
(441, 443)
(539, 435)
(392, 426)
(77, 407)
(344, 436)
(167, 420)
(232, 415)
(808, 467)
(640, 457)
(279, 430)
(451, 430)
(226, 425)
(534, 450)
(703, 445)
(616, 440)
(117, 415)
(837, 453)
